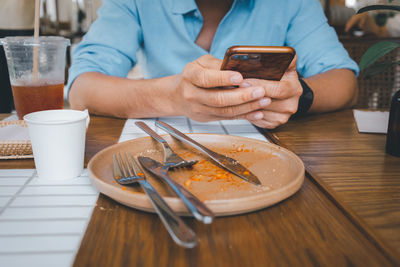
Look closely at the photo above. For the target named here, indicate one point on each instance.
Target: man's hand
(366, 22)
(199, 94)
(284, 94)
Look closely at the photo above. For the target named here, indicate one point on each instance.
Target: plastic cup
(58, 142)
(37, 72)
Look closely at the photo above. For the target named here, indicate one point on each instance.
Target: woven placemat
(15, 149)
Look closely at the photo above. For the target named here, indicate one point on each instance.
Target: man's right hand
(199, 95)
(195, 93)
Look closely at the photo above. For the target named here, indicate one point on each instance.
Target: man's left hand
(284, 95)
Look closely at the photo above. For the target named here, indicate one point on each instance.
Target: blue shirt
(161, 35)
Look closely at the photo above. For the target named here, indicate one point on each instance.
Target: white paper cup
(58, 142)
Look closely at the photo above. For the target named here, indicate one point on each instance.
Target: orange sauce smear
(206, 171)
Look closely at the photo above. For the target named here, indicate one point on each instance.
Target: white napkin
(371, 121)
(13, 132)
(12, 117)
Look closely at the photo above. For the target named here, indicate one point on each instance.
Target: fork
(199, 210)
(171, 159)
(127, 171)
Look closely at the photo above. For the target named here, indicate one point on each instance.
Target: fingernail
(265, 102)
(258, 92)
(245, 84)
(258, 116)
(236, 78)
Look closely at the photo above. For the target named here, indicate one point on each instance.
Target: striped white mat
(41, 221)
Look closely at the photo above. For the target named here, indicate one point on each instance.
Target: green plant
(369, 62)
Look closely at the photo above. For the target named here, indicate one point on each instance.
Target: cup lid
(56, 116)
(30, 40)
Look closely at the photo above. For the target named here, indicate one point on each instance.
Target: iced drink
(31, 98)
(37, 68)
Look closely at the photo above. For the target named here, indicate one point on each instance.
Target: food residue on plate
(208, 180)
(242, 148)
(188, 182)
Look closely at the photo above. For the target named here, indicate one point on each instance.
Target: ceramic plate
(280, 171)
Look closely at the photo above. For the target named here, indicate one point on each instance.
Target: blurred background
(72, 19)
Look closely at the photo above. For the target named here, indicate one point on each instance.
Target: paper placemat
(43, 221)
(371, 121)
(230, 127)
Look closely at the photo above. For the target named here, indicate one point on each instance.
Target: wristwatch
(305, 100)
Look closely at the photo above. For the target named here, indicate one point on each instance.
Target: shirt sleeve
(111, 43)
(317, 45)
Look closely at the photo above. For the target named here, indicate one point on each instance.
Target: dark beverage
(393, 133)
(31, 98)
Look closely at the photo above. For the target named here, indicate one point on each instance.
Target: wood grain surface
(354, 165)
(307, 229)
(102, 132)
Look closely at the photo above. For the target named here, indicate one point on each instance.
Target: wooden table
(346, 213)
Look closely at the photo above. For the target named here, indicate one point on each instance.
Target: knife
(225, 162)
(199, 210)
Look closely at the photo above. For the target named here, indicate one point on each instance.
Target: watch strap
(306, 99)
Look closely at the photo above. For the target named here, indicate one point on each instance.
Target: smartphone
(260, 62)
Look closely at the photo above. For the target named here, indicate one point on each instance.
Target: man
(367, 23)
(180, 44)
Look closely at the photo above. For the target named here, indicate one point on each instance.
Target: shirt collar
(183, 6)
(186, 6)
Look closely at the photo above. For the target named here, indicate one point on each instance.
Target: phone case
(261, 62)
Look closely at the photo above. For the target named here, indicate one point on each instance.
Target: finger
(265, 124)
(351, 23)
(291, 72)
(361, 23)
(269, 120)
(238, 110)
(257, 118)
(209, 62)
(201, 113)
(229, 97)
(278, 89)
(204, 74)
(292, 65)
(288, 106)
(209, 78)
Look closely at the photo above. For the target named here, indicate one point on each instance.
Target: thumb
(291, 70)
(209, 62)
(292, 66)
